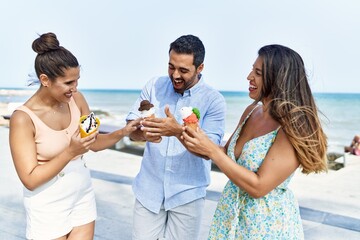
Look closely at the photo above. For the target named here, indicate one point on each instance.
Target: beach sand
(329, 203)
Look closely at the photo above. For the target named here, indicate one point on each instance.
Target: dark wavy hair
(189, 44)
(52, 59)
(292, 104)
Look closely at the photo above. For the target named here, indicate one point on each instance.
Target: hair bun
(45, 43)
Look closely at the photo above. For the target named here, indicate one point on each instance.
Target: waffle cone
(194, 126)
(83, 133)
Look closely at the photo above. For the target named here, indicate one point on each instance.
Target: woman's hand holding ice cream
(197, 142)
(130, 127)
(194, 139)
(80, 145)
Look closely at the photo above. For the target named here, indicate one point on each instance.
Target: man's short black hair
(189, 44)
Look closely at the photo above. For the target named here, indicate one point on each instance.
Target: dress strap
(242, 124)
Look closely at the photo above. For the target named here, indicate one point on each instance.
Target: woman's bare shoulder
(21, 123)
(247, 110)
(81, 103)
(79, 97)
(20, 117)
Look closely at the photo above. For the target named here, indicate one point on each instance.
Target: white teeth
(253, 87)
(178, 81)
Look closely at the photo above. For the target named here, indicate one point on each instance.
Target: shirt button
(61, 174)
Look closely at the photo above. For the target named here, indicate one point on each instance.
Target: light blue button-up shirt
(170, 174)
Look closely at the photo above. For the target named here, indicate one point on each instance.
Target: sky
(121, 44)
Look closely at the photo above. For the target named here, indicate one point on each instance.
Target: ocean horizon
(337, 110)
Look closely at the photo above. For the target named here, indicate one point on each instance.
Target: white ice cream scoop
(186, 112)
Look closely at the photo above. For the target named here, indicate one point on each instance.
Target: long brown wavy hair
(293, 106)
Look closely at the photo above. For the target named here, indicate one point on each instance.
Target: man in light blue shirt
(171, 186)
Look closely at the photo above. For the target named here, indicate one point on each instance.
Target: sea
(339, 112)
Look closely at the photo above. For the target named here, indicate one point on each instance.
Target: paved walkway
(329, 203)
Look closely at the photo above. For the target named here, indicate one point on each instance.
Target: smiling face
(62, 88)
(255, 78)
(182, 71)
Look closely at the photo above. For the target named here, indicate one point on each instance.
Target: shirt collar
(195, 88)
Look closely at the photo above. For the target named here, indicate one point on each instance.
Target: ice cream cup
(83, 132)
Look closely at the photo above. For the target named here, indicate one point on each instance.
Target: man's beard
(186, 84)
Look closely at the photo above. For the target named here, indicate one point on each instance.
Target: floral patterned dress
(240, 216)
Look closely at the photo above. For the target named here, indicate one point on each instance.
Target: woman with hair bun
(271, 141)
(48, 152)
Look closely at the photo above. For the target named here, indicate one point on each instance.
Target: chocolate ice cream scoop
(145, 105)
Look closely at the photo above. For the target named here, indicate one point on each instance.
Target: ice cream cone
(190, 117)
(83, 132)
(151, 116)
(146, 109)
(193, 126)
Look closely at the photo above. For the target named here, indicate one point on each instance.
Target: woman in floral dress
(278, 133)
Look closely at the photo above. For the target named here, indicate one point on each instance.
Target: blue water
(340, 112)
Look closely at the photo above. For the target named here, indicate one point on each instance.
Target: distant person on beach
(278, 133)
(48, 151)
(171, 186)
(354, 147)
